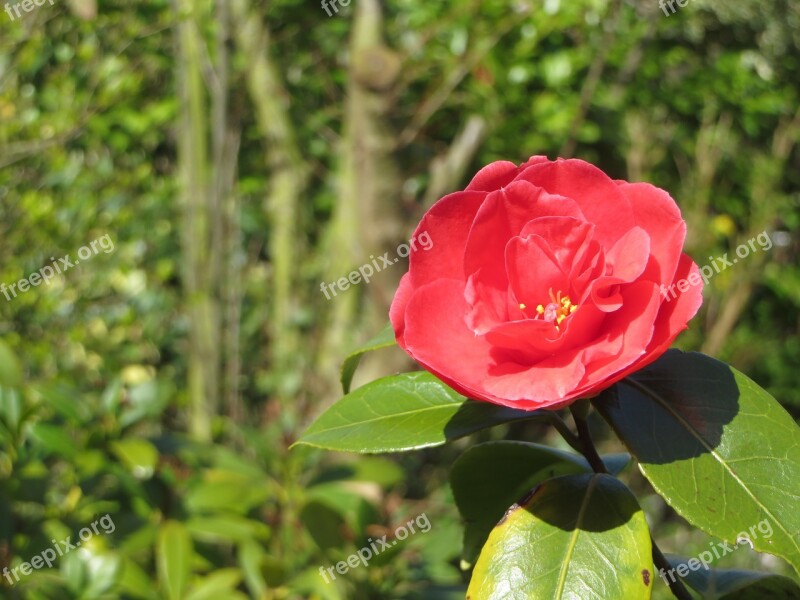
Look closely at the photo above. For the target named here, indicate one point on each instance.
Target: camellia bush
(549, 286)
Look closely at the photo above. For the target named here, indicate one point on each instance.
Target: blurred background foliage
(241, 152)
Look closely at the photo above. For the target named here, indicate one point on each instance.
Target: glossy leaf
(403, 412)
(174, 555)
(577, 536)
(719, 449)
(731, 584)
(616, 463)
(384, 339)
(490, 477)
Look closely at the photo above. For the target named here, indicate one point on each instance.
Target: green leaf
(490, 477)
(403, 412)
(66, 401)
(174, 555)
(219, 584)
(221, 489)
(227, 528)
(12, 410)
(138, 455)
(325, 524)
(104, 571)
(134, 582)
(731, 584)
(112, 395)
(10, 370)
(251, 560)
(75, 572)
(384, 339)
(577, 536)
(352, 503)
(53, 439)
(719, 449)
(616, 463)
(375, 469)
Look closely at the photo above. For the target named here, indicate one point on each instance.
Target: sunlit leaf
(403, 412)
(384, 339)
(174, 555)
(574, 537)
(719, 449)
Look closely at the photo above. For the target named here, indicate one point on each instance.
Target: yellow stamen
(522, 307)
(557, 310)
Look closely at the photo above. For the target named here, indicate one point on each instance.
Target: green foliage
(94, 394)
(490, 477)
(710, 440)
(577, 536)
(190, 521)
(404, 412)
(713, 444)
(384, 339)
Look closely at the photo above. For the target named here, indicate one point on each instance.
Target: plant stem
(662, 564)
(590, 453)
(587, 445)
(565, 432)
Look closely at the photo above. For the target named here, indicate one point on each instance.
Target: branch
(448, 169)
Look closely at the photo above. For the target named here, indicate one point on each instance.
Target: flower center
(555, 311)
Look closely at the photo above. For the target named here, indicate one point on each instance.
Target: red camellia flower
(545, 284)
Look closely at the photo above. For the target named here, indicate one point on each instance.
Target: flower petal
(657, 213)
(599, 198)
(447, 223)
